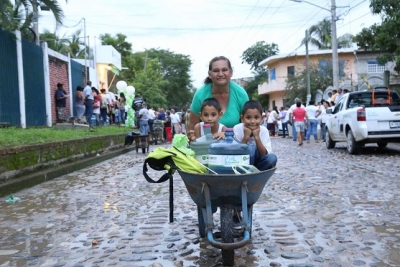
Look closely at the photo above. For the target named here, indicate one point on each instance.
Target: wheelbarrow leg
(202, 226)
(227, 234)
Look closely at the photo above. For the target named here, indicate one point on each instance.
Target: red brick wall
(58, 74)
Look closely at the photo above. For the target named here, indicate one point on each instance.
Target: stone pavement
(320, 208)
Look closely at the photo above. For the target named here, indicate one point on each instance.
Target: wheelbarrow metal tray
(225, 188)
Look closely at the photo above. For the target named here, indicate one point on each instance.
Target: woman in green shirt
(218, 85)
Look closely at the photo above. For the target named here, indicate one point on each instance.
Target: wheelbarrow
(229, 192)
(143, 142)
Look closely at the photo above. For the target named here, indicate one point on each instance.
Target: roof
(275, 58)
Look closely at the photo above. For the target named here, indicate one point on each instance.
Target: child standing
(250, 132)
(210, 113)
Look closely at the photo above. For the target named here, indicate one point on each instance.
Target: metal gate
(9, 92)
(76, 79)
(35, 101)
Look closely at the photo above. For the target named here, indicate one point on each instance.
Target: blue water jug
(201, 144)
(93, 120)
(226, 153)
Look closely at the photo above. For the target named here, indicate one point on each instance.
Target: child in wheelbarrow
(256, 136)
(210, 113)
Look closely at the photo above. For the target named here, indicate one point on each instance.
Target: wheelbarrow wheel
(227, 234)
(200, 219)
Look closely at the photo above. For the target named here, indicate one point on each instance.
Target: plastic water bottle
(226, 153)
(93, 120)
(201, 144)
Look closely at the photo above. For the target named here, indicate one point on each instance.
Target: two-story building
(358, 70)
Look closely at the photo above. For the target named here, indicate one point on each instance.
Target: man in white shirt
(175, 122)
(152, 117)
(312, 113)
(88, 98)
(290, 112)
(339, 96)
(284, 119)
(143, 119)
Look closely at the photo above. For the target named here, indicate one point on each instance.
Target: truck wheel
(329, 142)
(382, 144)
(352, 146)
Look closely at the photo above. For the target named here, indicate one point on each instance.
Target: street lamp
(335, 59)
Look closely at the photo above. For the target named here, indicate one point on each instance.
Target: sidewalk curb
(33, 179)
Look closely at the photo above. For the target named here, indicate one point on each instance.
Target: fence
(28, 84)
(9, 94)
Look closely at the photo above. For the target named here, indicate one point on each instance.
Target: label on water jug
(203, 159)
(228, 160)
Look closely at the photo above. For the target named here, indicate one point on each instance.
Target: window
(290, 70)
(272, 75)
(325, 67)
(374, 67)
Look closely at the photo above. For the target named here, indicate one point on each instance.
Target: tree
(383, 37)
(118, 42)
(253, 56)
(161, 76)
(175, 70)
(321, 36)
(19, 15)
(257, 53)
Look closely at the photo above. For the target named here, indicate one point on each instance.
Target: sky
(203, 29)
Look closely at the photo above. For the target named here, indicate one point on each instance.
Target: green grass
(15, 137)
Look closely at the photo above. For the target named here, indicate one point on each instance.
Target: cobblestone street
(320, 208)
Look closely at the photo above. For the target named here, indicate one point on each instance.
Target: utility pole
(84, 33)
(36, 21)
(308, 69)
(335, 60)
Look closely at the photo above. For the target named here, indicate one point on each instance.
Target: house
(283, 65)
(358, 70)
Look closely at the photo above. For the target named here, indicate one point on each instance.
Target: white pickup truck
(362, 117)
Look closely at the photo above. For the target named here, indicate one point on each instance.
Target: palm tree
(76, 47)
(54, 42)
(321, 36)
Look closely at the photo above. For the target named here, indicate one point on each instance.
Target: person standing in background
(88, 98)
(79, 99)
(187, 119)
(122, 111)
(152, 117)
(284, 120)
(144, 119)
(175, 121)
(61, 103)
(183, 121)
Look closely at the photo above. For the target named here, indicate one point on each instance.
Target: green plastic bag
(12, 199)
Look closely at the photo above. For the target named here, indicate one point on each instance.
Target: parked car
(365, 117)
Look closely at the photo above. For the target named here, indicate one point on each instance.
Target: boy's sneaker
(237, 222)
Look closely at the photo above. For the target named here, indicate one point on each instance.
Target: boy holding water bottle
(256, 137)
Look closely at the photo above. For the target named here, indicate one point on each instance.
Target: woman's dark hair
(208, 80)
(95, 89)
(122, 95)
(251, 104)
(168, 113)
(79, 88)
(311, 102)
(276, 109)
(298, 104)
(211, 102)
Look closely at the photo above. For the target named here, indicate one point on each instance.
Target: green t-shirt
(237, 97)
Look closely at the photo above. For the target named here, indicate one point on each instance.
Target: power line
(229, 44)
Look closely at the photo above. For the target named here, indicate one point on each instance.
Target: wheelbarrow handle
(228, 246)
